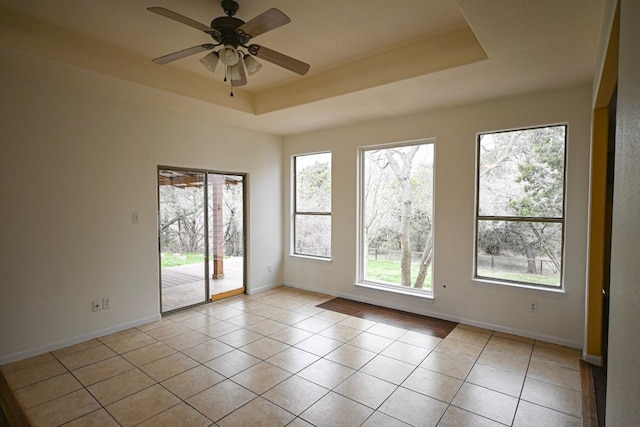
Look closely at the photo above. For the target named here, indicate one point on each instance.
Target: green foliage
(522, 175)
(313, 187)
(491, 239)
(542, 175)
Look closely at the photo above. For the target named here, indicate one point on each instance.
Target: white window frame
(561, 220)
(295, 212)
(361, 281)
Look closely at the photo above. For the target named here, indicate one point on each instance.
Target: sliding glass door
(226, 233)
(201, 236)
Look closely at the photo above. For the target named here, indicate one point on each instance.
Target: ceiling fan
(232, 34)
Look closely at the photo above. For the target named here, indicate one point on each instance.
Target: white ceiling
(369, 58)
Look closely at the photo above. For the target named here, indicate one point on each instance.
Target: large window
(520, 206)
(312, 205)
(396, 216)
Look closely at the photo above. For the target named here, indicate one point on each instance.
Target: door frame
(206, 173)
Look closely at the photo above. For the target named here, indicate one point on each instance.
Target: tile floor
(274, 359)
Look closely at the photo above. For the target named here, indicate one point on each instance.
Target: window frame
(552, 220)
(361, 281)
(296, 213)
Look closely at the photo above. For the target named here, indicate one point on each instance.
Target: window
(312, 205)
(396, 217)
(520, 206)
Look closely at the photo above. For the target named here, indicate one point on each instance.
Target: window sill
(396, 290)
(310, 257)
(558, 290)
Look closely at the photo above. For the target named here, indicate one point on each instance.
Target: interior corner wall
(74, 166)
(623, 365)
(560, 318)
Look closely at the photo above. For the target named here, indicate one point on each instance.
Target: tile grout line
(292, 374)
(465, 381)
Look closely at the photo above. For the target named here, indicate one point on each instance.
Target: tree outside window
(397, 216)
(312, 205)
(520, 206)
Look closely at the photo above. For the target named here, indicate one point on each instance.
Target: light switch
(135, 217)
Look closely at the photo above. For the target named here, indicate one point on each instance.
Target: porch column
(217, 227)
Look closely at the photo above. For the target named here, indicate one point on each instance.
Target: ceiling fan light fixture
(229, 55)
(210, 61)
(233, 73)
(230, 34)
(253, 66)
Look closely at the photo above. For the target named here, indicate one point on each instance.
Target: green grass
(170, 259)
(389, 271)
(536, 279)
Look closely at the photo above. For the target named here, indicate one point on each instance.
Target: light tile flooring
(274, 359)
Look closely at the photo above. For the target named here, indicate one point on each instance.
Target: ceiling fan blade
(267, 21)
(243, 75)
(183, 19)
(182, 53)
(280, 59)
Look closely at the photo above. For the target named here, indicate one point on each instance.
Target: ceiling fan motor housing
(232, 33)
(226, 26)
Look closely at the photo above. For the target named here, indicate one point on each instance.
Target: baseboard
(522, 333)
(24, 354)
(311, 289)
(444, 316)
(256, 290)
(594, 360)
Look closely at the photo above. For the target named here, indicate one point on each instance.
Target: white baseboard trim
(444, 316)
(256, 290)
(522, 333)
(24, 354)
(594, 360)
(311, 289)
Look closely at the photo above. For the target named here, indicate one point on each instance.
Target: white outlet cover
(106, 303)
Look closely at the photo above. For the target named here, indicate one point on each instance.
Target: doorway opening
(200, 235)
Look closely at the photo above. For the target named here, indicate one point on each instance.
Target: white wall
(560, 316)
(76, 159)
(623, 366)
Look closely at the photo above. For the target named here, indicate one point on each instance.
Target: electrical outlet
(96, 305)
(533, 306)
(106, 303)
(269, 269)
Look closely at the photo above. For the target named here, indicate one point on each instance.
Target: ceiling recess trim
(443, 52)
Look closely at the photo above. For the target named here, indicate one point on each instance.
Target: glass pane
(521, 173)
(397, 191)
(226, 241)
(313, 235)
(526, 252)
(313, 183)
(182, 238)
